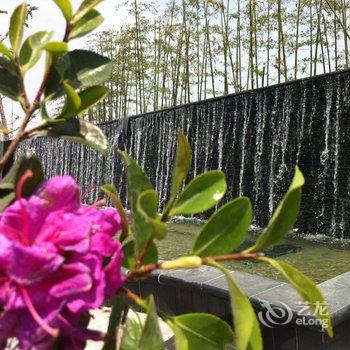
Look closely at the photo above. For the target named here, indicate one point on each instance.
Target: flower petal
(31, 264)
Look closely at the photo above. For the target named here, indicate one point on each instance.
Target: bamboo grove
(169, 53)
(178, 52)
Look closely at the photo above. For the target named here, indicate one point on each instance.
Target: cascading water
(255, 137)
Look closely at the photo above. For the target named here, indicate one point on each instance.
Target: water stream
(256, 138)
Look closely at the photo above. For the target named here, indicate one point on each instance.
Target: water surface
(319, 258)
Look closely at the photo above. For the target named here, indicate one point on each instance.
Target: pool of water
(319, 258)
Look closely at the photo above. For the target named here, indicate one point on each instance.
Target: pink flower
(58, 260)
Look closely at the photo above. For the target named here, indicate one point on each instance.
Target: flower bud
(186, 262)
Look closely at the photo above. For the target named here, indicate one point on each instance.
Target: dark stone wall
(256, 138)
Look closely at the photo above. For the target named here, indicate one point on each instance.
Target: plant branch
(28, 108)
(146, 269)
(134, 298)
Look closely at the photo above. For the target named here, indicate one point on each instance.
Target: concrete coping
(261, 291)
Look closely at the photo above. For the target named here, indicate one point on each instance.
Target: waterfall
(255, 137)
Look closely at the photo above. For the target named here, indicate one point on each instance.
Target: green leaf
(90, 21)
(151, 256)
(79, 131)
(201, 194)
(91, 96)
(5, 51)
(112, 192)
(143, 231)
(246, 326)
(138, 181)
(17, 22)
(84, 8)
(225, 230)
(284, 216)
(114, 321)
(66, 8)
(82, 68)
(9, 83)
(200, 331)
(132, 333)
(32, 48)
(9, 182)
(72, 104)
(182, 163)
(56, 47)
(151, 337)
(306, 288)
(147, 205)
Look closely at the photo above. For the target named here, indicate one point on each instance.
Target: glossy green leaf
(284, 216)
(201, 194)
(112, 192)
(32, 48)
(66, 8)
(246, 326)
(151, 256)
(90, 21)
(80, 131)
(9, 83)
(84, 8)
(5, 51)
(9, 182)
(17, 22)
(225, 230)
(82, 68)
(56, 47)
(147, 205)
(138, 181)
(113, 324)
(91, 96)
(182, 163)
(132, 333)
(143, 232)
(306, 288)
(73, 102)
(151, 337)
(200, 331)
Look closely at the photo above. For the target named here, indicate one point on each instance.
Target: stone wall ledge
(205, 290)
